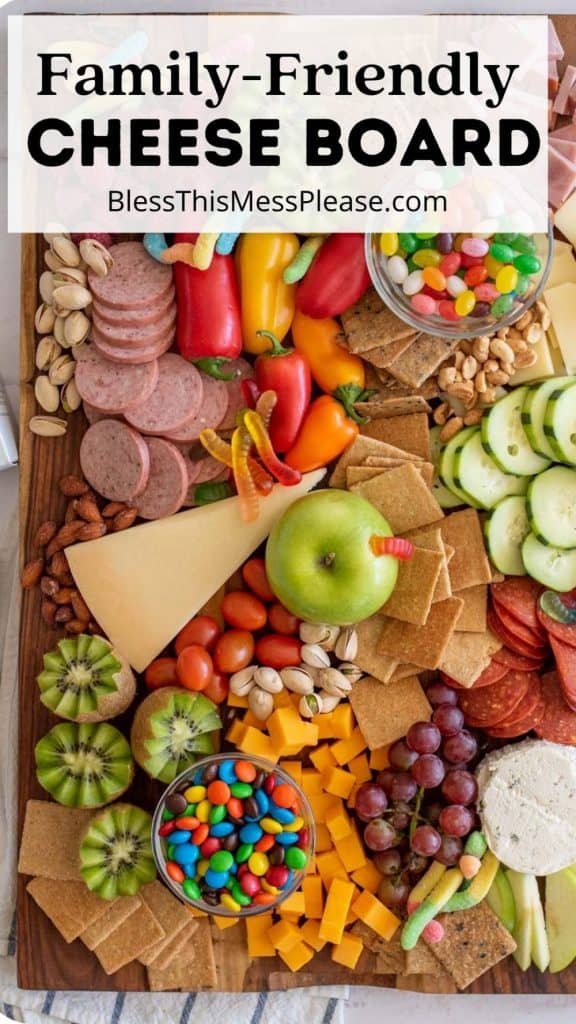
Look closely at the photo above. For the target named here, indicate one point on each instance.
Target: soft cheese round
(527, 805)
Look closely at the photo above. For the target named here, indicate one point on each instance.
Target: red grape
(450, 851)
(460, 787)
(371, 801)
(425, 841)
(388, 863)
(460, 748)
(423, 737)
(456, 820)
(379, 835)
(403, 786)
(448, 719)
(384, 779)
(394, 891)
(415, 864)
(402, 813)
(439, 693)
(432, 811)
(428, 771)
(400, 756)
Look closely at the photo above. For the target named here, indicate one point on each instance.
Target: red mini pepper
(337, 278)
(285, 371)
(208, 326)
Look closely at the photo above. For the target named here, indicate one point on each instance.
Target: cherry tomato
(194, 667)
(254, 576)
(234, 650)
(203, 630)
(278, 651)
(243, 611)
(217, 689)
(282, 621)
(161, 672)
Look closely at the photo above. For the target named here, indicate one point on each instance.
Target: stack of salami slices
(512, 696)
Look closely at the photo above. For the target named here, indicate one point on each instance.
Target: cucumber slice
(551, 567)
(560, 424)
(446, 465)
(504, 437)
(552, 507)
(533, 413)
(505, 530)
(444, 497)
(476, 473)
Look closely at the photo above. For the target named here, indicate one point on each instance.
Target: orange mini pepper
(326, 432)
(333, 368)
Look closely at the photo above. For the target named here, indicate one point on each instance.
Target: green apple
(500, 899)
(529, 930)
(560, 917)
(322, 560)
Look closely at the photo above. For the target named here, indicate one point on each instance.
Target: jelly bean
(444, 242)
(434, 277)
(191, 889)
(397, 269)
(250, 884)
(284, 795)
(180, 837)
(450, 264)
(221, 861)
(423, 304)
(287, 838)
(258, 863)
(502, 253)
(271, 826)
(411, 266)
(525, 244)
(218, 792)
(434, 294)
(174, 871)
(215, 879)
(408, 242)
(527, 264)
(523, 284)
(481, 309)
(475, 275)
(203, 810)
(506, 280)
(447, 311)
(389, 243)
(200, 834)
(217, 814)
(486, 292)
(265, 843)
(458, 242)
(502, 306)
(455, 285)
(241, 789)
(209, 846)
(245, 771)
(244, 852)
(413, 283)
(262, 801)
(250, 833)
(296, 858)
(186, 822)
(227, 772)
(505, 237)
(492, 265)
(425, 234)
(475, 246)
(465, 303)
(427, 258)
(471, 261)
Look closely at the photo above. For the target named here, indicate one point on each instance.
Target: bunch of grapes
(421, 807)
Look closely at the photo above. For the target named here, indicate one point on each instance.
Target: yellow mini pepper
(267, 303)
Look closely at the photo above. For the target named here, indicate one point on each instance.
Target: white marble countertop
(365, 1004)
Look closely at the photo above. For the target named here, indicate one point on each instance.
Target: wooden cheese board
(45, 961)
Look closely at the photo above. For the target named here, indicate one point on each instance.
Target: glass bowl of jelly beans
(233, 836)
(459, 285)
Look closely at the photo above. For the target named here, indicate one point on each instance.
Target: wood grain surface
(45, 961)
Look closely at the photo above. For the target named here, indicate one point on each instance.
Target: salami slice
(210, 469)
(112, 388)
(565, 658)
(491, 705)
(115, 460)
(148, 314)
(517, 661)
(243, 371)
(525, 633)
(512, 641)
(136, 280)
(136, 336)
(492, 674)
(132, 356)
(176, 398)
(519, 594)
(566, 634)
(167, 483)
(192, 468)
(521, 726)
(212, 410)
(558, 722)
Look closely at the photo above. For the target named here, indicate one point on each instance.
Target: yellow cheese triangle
(142, 586)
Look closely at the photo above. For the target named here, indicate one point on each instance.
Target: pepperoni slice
(511, 640)
(520, 596)
(492, 674)
(565, 657)
(560, 630)
(517, 661)
(520, 727)
(516, 626)
(558, 722)
(527, 704)
(493, 704)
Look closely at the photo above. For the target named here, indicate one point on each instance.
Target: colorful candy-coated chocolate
(180, 837)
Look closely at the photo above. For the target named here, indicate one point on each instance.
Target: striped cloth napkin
(298, 1006)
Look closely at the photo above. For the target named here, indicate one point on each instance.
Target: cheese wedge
(143, 585)
(542, 368)
(565, 218)
(561, 302)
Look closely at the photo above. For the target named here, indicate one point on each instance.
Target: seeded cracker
(470, 565)
(410, 433)
(129, 940)
(70, 907)
(368, 658)
(386, 716)
(386, 355)
(422, 645)
(51, 839)
(369, 324)
(468, 654)
(388, 952)
(379, 407)
(359, 450)
(402, 497)
(392, 462)
(474, 941)
(392, 387)
(116, 913)
(411, 599)
(422, 359)
(473, 615)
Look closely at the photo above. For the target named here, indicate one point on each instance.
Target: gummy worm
(222, 451)
(298, 267)
(226, 242)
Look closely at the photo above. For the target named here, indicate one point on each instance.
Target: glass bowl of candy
(459, 285)
(233, 835)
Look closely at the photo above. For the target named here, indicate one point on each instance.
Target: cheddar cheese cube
(350, 849)
(309, 734)
(293, 904)
(284, 935)
(282, 699)
(196, 913)
(343, 721)
(336, 909)
(348, 951)
(338, 822)
(234, 701)
(284, 727)
(258, 941)
(236, 732)
(323, 838)
(338, 781)
(294, 769)
(379, 758)
(330, 867)
(322, 758)
(291, 749)
(321, 804)
(310, 934)
(367, 877)
(345, 750)
(351, 801)
(289, 915)
(251, 722)
(313, 896)
(373, 913)
(222, 923)
(311, 781)
(255, 742)
(360, 769)
(311, 866)
(297, 956)
(325, 725)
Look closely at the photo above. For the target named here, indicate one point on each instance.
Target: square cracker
(385, 715)
(423, 645)
(129, 940)
(391, 386)
(174, 946)
(388, 951)
(368, 658)
(402, 671)
(71, 906)
(422, 359)
(474, 941)
(370, 324)
(385, 355)
(409, 432)
(468, 654)
(421, 961)
(169, 912)
(379, 406)
(195, 971)
(390, 462)
(357, 474)
(355, 454)
(473, 616)
(411, 599)
(470, 565)
(402, 497)
(51, 839)
(116, 913)
(431, 539)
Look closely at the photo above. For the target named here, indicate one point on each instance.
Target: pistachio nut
(66, 250)
(71, 399)
(297, 680)
(47, 394)
(58, 230)
(46, 286)
(62, 370)
(52, 261)
(96, 256)
(67, 297)
(69, 275)
(314, 655)
(261, 703)
(44, 318)
(76, 327)
(319, 633)
(47, 426)
(268, 679)
(352, 672)
(242, 682)
(329, 702)
(47, 350)
(310, 704)
(346, 647)
(59, 334)
(334, 682)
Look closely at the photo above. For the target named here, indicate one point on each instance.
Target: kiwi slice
(172, 728)
(84, 765)
(86, 680)
(116, 852)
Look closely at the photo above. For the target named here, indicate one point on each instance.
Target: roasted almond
(64, 595)
(49, 586)
(87, 509)
(71, 513)
(81, 609)
(64, 614)
(44, 533)
(32, 572)
(48, 612)
(91, 531)
(122, 520)
(68, 533)
(113, 508)
(72, 486)
(75, 626)
(59, 568)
